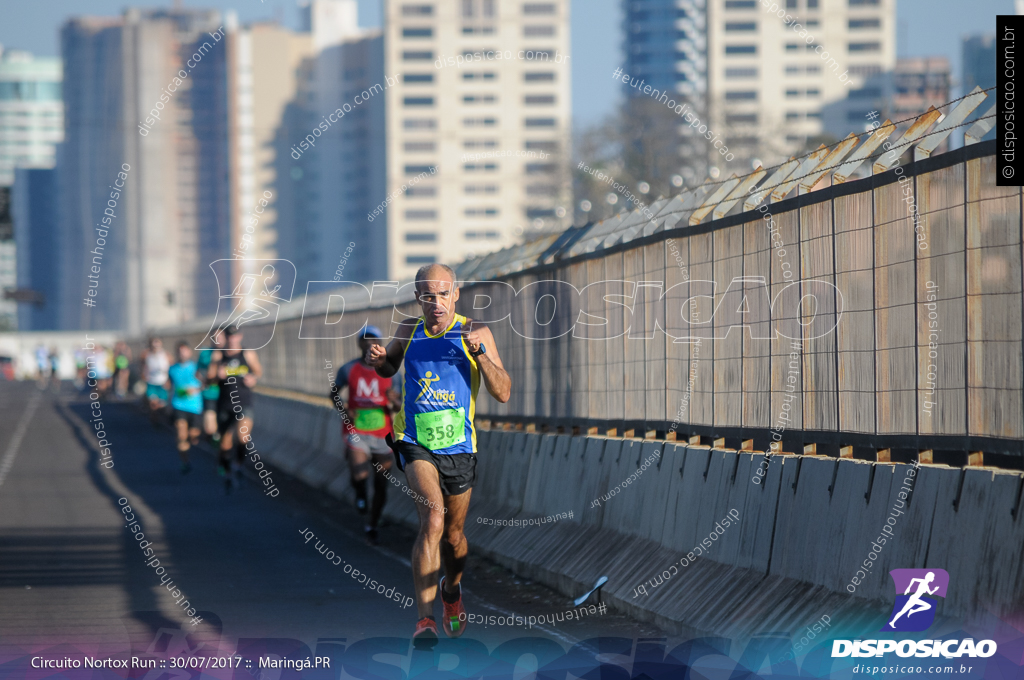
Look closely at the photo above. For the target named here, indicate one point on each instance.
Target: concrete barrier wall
(803, 532)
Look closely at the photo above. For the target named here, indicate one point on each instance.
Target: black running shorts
(194, 420)
(227, 419)
(456, 471)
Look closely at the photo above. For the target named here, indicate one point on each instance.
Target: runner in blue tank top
(446, 356)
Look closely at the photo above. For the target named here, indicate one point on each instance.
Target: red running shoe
(454, 622)
(426, 633)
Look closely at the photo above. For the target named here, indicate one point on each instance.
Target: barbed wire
(890, 150)
(895, 124)
(762, 190)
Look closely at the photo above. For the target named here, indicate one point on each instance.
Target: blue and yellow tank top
(439, 391)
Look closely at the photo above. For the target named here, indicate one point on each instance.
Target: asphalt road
(73, 577)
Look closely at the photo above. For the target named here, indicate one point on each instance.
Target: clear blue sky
(924, 27)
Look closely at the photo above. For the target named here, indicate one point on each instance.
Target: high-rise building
(322, 167)
(31, 112)
(206, 119)
(665, 48)
(919, 82)
(979, 62)
(36, 223)
(346, 168)
(360, 179)
(147, 160)
(268, 74)
(31, 126)
(666, 45)
(775, 81)
(775, 77)
(478, 127)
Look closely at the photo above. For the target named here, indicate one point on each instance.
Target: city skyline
(462, 151)
(34, 27)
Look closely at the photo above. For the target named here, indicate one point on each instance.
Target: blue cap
(370, 332)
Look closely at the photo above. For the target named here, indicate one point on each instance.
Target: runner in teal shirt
(212, 391)
(187, 402)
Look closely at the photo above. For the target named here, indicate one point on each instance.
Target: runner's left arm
(497, 380)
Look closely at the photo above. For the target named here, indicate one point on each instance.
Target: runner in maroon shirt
(365, 421)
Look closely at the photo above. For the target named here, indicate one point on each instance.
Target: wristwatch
(482, 350)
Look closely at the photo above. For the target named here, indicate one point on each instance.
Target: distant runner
(122, 371)
(103, 363)
(237, 369)
(80, 369)
(54, 367)
(154, 371)
(43, 366)
(212, 387)
(366, 420)
(445, 355)
(186, 401)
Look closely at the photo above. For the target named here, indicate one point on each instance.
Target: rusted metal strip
(784, 171)
(748, 183)
(874, 140)
(949, 123)
(812, 161)
(918, 129)
(713, 200)
(838, 154)
(981, 128)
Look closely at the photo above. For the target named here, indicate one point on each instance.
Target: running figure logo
(425, 382)
(915, 611)
(434, 396)
(256, 292)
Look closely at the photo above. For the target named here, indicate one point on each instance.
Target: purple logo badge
(916, 590)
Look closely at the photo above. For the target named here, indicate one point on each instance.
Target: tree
(643, 146)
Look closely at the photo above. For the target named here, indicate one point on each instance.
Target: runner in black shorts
(211, 387)
(237, 369)
(365, 423)
(184, 387)
(445, 357)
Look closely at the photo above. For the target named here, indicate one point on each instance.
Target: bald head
(434, 272)
(437, 293)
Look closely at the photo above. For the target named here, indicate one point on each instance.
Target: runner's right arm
(169, 384)
(394, 395)
(256, 369)
(387, 362)
(212, 369)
